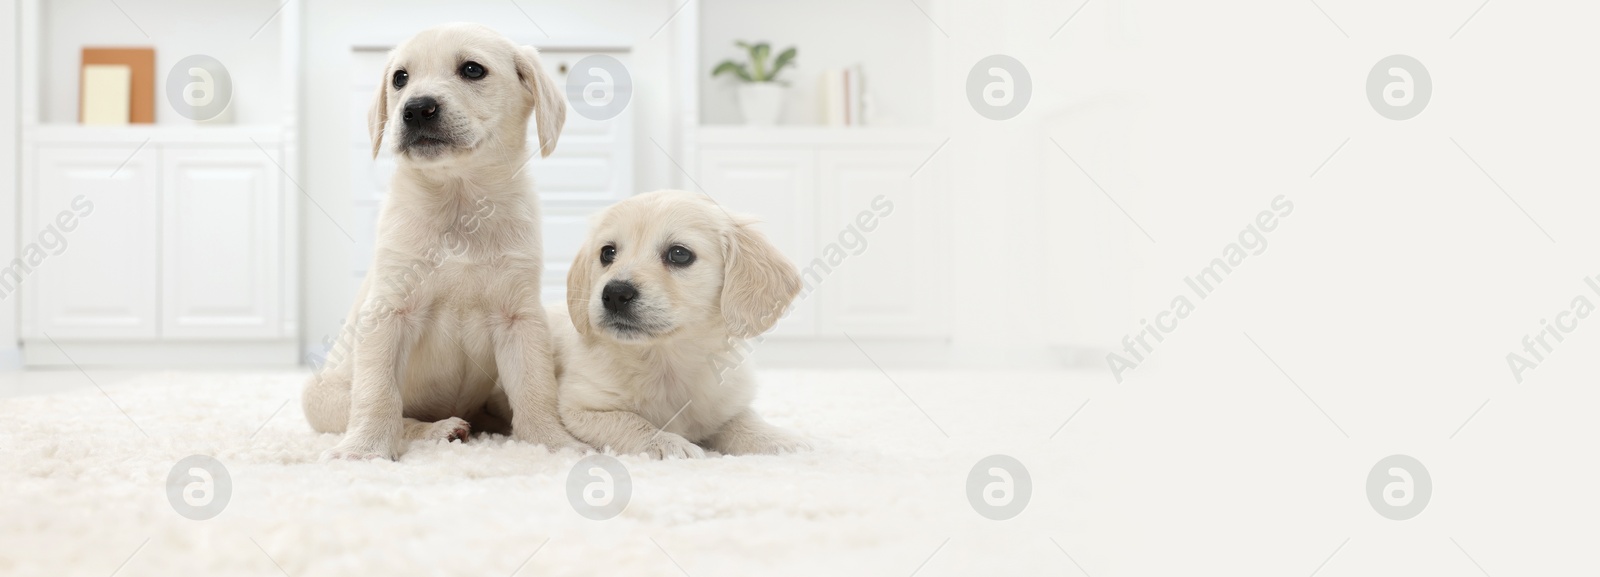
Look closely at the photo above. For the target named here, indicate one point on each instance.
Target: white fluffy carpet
(883, 494)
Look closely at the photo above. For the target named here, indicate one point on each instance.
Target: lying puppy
(661, 298)
(448, 332)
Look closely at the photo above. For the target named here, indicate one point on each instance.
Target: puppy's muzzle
(618, 297)
(426, 132)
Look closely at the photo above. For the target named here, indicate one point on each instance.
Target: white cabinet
(857, 212)
(97, 278)
(157, 246)
(878, 213)
(220, 244)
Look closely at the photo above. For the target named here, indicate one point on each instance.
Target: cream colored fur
(681, 387)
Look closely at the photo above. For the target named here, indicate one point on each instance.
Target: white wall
(10, 114)
(889, 39)
(331, 28)
(1195, 116)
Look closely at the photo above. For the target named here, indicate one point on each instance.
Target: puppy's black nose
(420, 110)
(618, 295)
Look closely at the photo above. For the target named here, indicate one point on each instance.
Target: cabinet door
(91, 263)
(778, 187)
(221, 275)
(878, 233)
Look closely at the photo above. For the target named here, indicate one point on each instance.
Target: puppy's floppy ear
(758, 282)
(378, 115)
(579, 279)
(549, 102)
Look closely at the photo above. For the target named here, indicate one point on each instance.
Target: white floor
(1166, 476)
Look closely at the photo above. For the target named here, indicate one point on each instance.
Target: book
(825, 96)
(844, 96)
(855, 89)
(106, 89)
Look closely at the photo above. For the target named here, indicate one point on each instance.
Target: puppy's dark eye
(678, 255)
(400, 78)
(473, 70)
(608, 253)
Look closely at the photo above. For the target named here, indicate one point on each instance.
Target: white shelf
(153, 133)
(816, 135)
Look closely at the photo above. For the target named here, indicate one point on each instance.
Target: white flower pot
(761, 103)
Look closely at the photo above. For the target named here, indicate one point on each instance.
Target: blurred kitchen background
(1033, 229)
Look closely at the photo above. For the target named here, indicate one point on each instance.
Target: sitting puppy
(448, 332)
(661, 298)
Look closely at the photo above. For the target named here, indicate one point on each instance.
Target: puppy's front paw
(767, 441)
(360, 449)
(785, 443)
(672, 446)
(573, 445)
(556, 439)
(451, 429)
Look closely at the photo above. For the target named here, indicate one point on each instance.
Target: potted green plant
(760, 94)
